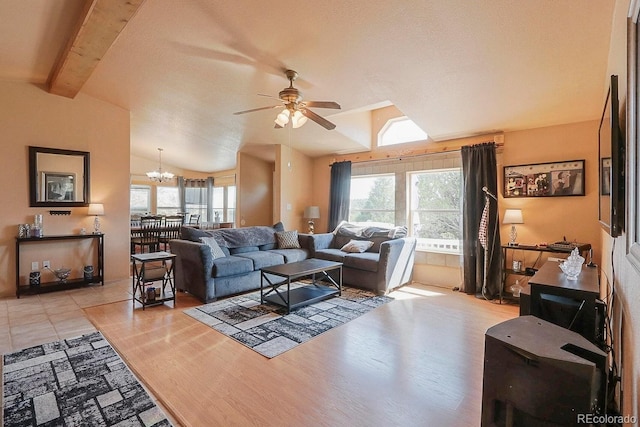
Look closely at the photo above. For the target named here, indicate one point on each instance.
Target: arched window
(400, 130)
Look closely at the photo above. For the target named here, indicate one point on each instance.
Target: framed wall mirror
(58, 178)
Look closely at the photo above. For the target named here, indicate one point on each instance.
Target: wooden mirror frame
(34, 175)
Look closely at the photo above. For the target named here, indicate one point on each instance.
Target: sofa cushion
(268, 246)
(287, 239)
(243, 249)
(231, 266)
(261, 259)
(193, 234)
(292, 255)
(365, 261)
(216, 250)
(357, 246)
(245, 236)
(331, 255)
(345, 232)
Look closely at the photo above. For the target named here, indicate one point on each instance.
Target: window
(400, 130)
(196, 200)
(218, 203)
(140, 199)
(167, 200)
(435, 200)
(372, 199)
(231, 204)
(224, 203)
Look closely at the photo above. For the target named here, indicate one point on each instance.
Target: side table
(149, 268)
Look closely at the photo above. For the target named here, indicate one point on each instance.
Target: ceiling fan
(295, 109)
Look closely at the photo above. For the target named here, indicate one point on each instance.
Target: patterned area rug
(76, 382)
(268, 330)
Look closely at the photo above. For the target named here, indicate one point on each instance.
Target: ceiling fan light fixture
(298, 119)
(283, 118)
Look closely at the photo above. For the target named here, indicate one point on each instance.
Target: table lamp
(311, 213)
(513, 217)
(96, 209)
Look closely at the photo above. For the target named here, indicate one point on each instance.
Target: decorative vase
(88, 272)
(572, 266)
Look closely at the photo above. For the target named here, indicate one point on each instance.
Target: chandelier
(158, 175)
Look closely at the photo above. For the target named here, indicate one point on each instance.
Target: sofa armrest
(319, 241)
(397, 257)
(194, 265)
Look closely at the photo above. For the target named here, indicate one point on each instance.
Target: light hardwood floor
(415, 361)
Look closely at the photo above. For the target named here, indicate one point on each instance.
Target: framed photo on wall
(545, 179)
(59, 186)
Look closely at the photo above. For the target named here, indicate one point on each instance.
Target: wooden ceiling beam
(99, 26)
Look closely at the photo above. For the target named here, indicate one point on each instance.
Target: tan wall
(30, 116)
(255, 200)
(294, 180)
(549, 219)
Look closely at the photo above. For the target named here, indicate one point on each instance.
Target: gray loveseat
(382, 267)
(237, 269)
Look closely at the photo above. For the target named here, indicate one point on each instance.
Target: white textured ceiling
(456, 67)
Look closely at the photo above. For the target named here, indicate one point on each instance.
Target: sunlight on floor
(414, 291)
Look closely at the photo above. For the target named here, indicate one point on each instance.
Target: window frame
(390, 123)
(369, 176)
(150, 197)
(174, 208)
(446, 248)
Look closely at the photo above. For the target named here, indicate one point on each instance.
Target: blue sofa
(386, 263)
(246, 250)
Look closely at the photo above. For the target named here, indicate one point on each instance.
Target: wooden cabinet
(98, 273)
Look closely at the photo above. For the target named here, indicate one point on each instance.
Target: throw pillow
(288, 239)
(357, 246)
(216, 250)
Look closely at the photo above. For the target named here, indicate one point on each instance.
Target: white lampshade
(283, 118)
(96, 209)
(298, 119)
(312, 212)
(513, 216)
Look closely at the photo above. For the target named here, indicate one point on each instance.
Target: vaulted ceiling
(182, 67)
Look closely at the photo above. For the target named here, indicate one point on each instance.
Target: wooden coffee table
(303, 295)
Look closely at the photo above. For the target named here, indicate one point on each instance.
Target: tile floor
(35, 319)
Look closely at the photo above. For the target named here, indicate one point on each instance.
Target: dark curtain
(339, 193)
(479, 169)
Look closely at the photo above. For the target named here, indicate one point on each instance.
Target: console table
(508, 271)
(98, 275)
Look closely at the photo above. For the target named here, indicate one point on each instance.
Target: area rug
(76, 382)
(267, 329)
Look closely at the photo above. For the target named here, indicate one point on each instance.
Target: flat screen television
(611, 150)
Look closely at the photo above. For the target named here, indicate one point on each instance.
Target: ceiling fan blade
(322, 104)
(272, 97)
(271, 107)
(318, 119)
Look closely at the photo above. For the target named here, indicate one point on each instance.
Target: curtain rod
(499, 145)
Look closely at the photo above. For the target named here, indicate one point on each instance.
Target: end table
(149, 268)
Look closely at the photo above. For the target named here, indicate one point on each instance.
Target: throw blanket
(363, 231)
(241, 237)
